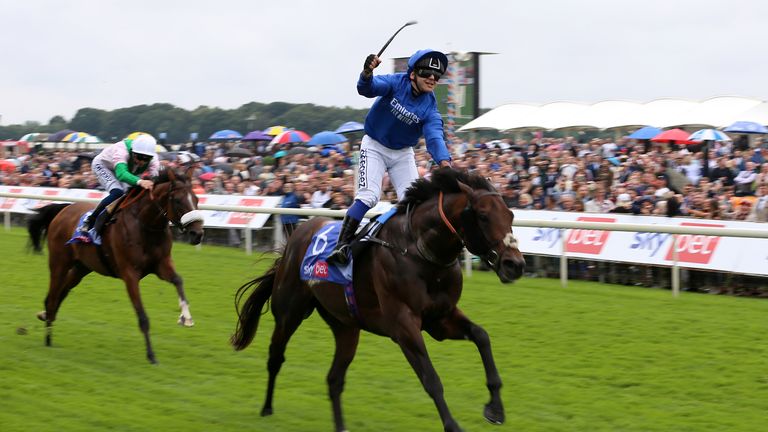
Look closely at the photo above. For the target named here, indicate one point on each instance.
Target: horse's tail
(37, 224)
(248, 316)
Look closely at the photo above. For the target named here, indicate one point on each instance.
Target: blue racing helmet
(428, 59)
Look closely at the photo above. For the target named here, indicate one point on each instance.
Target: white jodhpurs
(375, 160)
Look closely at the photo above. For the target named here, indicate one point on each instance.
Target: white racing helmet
(144, 144)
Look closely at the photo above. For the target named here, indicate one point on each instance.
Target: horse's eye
(482, 217)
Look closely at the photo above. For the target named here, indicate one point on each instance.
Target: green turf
(587, 358)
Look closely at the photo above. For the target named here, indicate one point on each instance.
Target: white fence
(678, 232)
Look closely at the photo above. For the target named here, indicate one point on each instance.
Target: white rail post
(675, 267)
(563, 260)
(248, 239)
(467, 263)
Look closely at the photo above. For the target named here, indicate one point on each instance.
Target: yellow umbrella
(160, 149)
(275, 130)
(74, 136)
(133, 135)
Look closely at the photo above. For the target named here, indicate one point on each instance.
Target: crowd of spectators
(559, 174)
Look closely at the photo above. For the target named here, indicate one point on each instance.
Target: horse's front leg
(167, 272)
(346, 346)
(412, 344)
(458, 326)
(132, 285)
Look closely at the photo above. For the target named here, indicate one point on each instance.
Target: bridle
(474, 238)
(170, 208)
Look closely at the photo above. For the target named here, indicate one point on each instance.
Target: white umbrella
(708, 135)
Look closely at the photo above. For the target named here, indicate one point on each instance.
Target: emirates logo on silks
(321, 270)
(588, 241)
(694, 248)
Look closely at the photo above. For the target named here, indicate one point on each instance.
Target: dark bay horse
(136, 244)
(408, 285)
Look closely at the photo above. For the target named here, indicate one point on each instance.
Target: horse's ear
(465, 188)
(171, 174)
(189, 173)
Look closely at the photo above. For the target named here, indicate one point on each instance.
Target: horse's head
(173, 193)
(486, 224)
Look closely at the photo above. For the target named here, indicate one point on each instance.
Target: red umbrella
(678, 136)
(207, 176)
(291, 136)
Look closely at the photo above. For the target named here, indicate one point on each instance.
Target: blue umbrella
(325, 138)
(350, 126)
(645, 133)
(747, 127)
(226, 134)
(708, 135)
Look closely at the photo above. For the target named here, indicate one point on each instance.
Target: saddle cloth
(314, 266)
(92, 237)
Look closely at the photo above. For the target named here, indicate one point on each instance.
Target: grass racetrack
(590, 357)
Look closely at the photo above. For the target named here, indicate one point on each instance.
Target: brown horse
(136, 244)
(409, 281)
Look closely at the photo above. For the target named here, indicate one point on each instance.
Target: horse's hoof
(266, 412)
(41, 315)
(494, 415)
(185, 322)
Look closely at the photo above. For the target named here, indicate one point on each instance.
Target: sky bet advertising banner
(213, 218)
(732, 254)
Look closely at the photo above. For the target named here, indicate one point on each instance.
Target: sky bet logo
(579, 240)
(588, 241)
(651, 242)
(694, 248)
(321, 270)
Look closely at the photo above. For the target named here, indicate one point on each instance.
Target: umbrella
(224, 167)
(327, 138)
(275, 130)
(91, 139)
(207, 176)
(297, 150)
(280, 154)
(239, 152)
(34, 136)
(645, 133)
(133, 135)
(226, 134)
(747, 127)
(350, 126)
(257, 135)
(708, 135)
(290, 136)
(160, 149)
(672, 135)
(59, 136)
(74, 136)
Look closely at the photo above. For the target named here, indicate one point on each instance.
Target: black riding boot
(91, 219)
(340, 254)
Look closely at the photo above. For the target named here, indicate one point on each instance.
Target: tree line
(178, 124)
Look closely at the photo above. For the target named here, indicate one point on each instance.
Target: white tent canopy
(714, 112)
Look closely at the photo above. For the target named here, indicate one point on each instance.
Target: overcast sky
(59, 56)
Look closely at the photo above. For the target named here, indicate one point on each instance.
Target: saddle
(369, 233)
(107, 215)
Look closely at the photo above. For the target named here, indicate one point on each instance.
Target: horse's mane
(443, 179)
